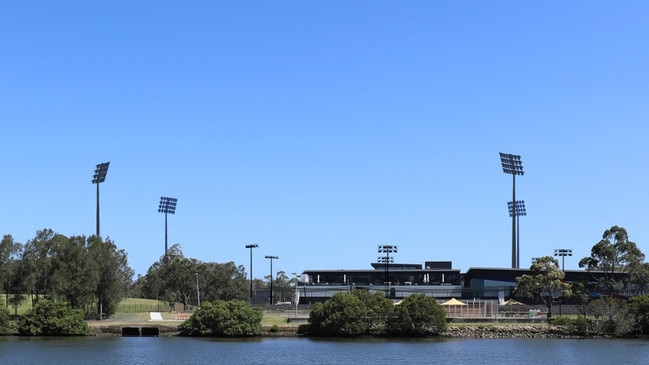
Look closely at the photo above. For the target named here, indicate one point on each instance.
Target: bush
(234, 318)
(342, 315)
(575, 326)
(49, 318)
(417, 315)
(5, 324)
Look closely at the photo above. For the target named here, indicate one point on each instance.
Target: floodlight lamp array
(520, 208)
(100, 173)
(387, 248)
(254, 245)
(511, 164)
(272, 257)
(167, 205)
(563, 252)
(385, 259)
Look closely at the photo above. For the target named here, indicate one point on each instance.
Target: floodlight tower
(99, 177)
(520, 211)
(271, 258)
(563, 252)
(167, 206)
(387, 249)
(512, 165)
(251, 247)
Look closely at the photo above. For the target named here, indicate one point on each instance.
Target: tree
(235, 318)
(639, 308)
(417, 315)
(612, 255)
(9, 251)
(50, 318)
(545, 283)
(115, 276)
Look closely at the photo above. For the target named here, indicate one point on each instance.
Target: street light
(167, 206)
(251, 247)
(99, 177)
(386, 249)
(512, 165)
(271, 275)
(563, 252)
(520, 211)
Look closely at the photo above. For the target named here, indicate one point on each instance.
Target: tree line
(89, 273)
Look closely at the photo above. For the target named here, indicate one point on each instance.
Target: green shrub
(5, 324)
(234, 318)
(49, 318)
(576, 326)
(417, 315)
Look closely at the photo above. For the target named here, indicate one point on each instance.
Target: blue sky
(320, 130)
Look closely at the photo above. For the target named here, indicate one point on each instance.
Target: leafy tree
(50, 318)
(611, 316)
(639, 279)
(545, 283)
(9, 251)
(222, 281)
(639, 308)
(417, 315)
(235, 318)
(343, 314)
(612, 255)
(115, 276)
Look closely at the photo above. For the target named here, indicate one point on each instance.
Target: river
(178, 350)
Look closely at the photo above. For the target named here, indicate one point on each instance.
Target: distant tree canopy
(88, 273)
(615, 254)
(176, 278)
(544, 283)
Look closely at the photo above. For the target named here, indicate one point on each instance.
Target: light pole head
(272, 257)
(100, 173)
(511, 164)
(520, 208)
(562, 252)
(254, 245)
(167, 205)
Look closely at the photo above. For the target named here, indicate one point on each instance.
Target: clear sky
(320, 130)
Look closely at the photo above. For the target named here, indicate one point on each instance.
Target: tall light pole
(520, 211)
(167, 206)
(387, 250)
(512, 165)
(99, 177)
(251, 247)
(271, 258)
(563, 252)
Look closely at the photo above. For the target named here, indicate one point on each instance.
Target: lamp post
(99, 177)
(520, 211)
(512, 165)
(167, 206)
(563, 252)
(296, 297)
(251, 247)
(271, 258)
(387, 249)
